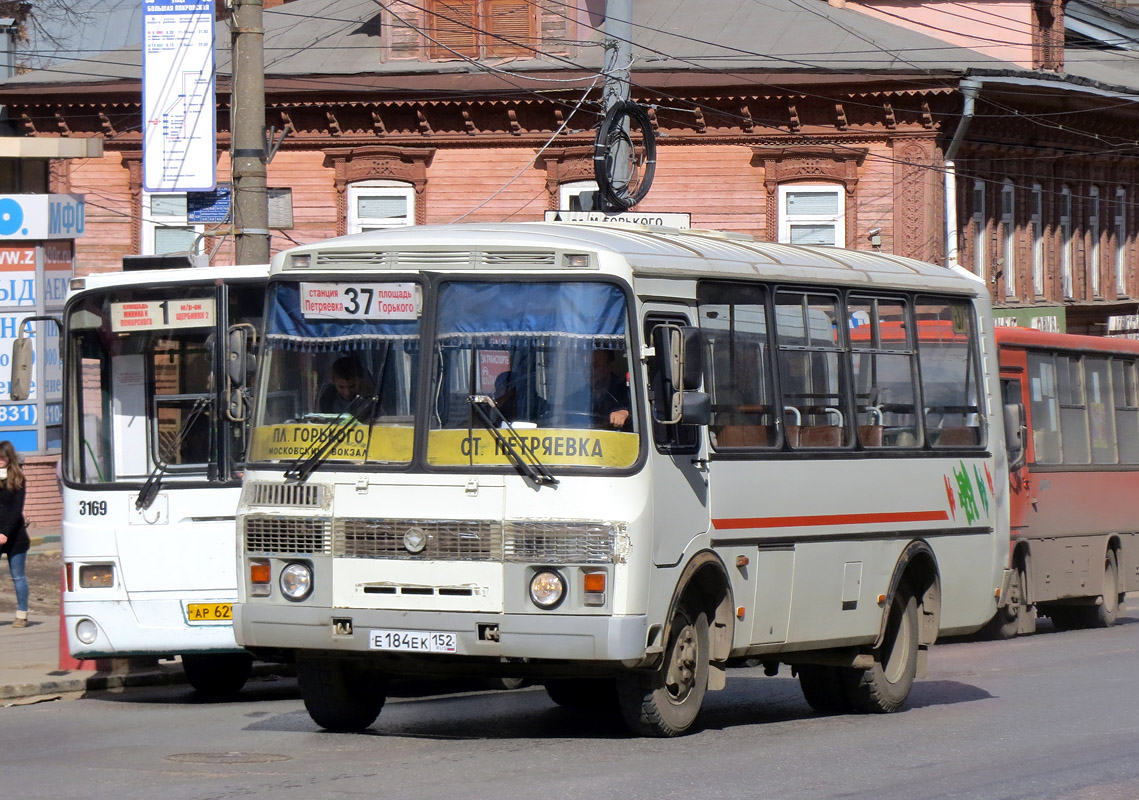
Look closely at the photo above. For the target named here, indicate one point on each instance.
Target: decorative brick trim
(565, 165)
(810, 163)
(378, 162)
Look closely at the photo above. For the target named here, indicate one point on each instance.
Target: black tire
(1065, 618)
(583, 694)
(666, 701)
(341, 695)
(504, 684)
(823, 688)
(217, 675)
(884, 687)
(1105, 614)
(1006, 623)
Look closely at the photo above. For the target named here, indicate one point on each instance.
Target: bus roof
(648, 251)
(1032, 338)
(165, 277)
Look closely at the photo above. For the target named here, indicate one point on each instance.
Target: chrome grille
(446, 540)
(304, 495)
(559, 543)
(293, 535)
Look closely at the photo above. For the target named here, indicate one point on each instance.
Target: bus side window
(950, 373)
(883, 361)
(676, 439)
(737, 366)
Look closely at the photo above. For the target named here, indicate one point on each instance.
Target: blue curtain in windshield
(564, 314)
(287, 328)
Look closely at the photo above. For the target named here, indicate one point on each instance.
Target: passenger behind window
(608, 399)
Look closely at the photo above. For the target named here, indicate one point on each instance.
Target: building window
(1094, 234)
(375, 205)
(1066, 240)
(1037, 224)
(482, 28)
(979, 240)
(812, 215)
(577, 196)
(1121, 241)
(1008, 238)
(165, 228)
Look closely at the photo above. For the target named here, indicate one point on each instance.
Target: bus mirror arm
(1015, 428)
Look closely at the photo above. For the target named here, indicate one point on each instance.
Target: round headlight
(547, 589)
(86, 631)
(296, 581)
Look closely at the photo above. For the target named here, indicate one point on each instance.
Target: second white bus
(157, 395)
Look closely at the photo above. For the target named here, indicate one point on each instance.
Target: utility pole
(250, 201)
(618, 51)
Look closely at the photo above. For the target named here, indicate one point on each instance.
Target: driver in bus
(349, 381)
(608, 391)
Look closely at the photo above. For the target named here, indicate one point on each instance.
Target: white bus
(157, 399)
(619, 460)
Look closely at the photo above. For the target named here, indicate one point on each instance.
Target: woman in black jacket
(13, 532)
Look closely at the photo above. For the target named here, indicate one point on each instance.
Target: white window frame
(378, 188)
(568, 192)
(980, 241)
(1008, 237)
(1094, 234)
(153, 222)
(1037, 224)
(1121, 241)
(837, 221)
(1066, 240)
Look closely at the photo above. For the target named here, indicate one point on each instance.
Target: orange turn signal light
(260, 573)
(593, 582)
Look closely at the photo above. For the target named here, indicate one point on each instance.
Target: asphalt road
(1046, 717)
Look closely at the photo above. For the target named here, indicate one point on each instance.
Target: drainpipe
(969, 90)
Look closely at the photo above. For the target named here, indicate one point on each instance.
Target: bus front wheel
(217, 675)
(340, 694)
(1105, 614)
(884, 687)
(665, 702)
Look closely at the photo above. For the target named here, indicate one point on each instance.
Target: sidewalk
(30, 659)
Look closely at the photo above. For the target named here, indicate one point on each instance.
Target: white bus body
(827, 500)
(152, 410)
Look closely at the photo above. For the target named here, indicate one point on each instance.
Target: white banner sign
(360, 301)
(178, 113)
(146, 315)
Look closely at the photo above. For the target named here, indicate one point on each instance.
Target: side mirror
(20, 385)
(1015, 429)
(20, 382)
(240, 339)
(680, 355)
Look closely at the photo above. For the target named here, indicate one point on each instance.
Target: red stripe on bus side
(830, 519)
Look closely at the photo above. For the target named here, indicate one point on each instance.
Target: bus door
(1020, 482)
(678, 466)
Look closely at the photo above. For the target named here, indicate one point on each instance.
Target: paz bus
(620, 460)
(1075, 550)
(157, 397)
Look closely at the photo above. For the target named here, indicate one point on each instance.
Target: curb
(110, 681)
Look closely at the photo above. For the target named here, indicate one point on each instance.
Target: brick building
(999, 138)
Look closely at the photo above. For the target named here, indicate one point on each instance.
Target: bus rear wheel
(217, 675)
(665, 702)
(884, 687)
(343, 695)
(1105, 614)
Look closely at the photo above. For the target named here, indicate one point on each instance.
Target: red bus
(1075, 525)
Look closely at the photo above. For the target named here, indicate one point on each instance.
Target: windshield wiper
(150, 487)
(534, 470)
(337, 430)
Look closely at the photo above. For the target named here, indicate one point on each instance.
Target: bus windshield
(543, 364)
(141, 367)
